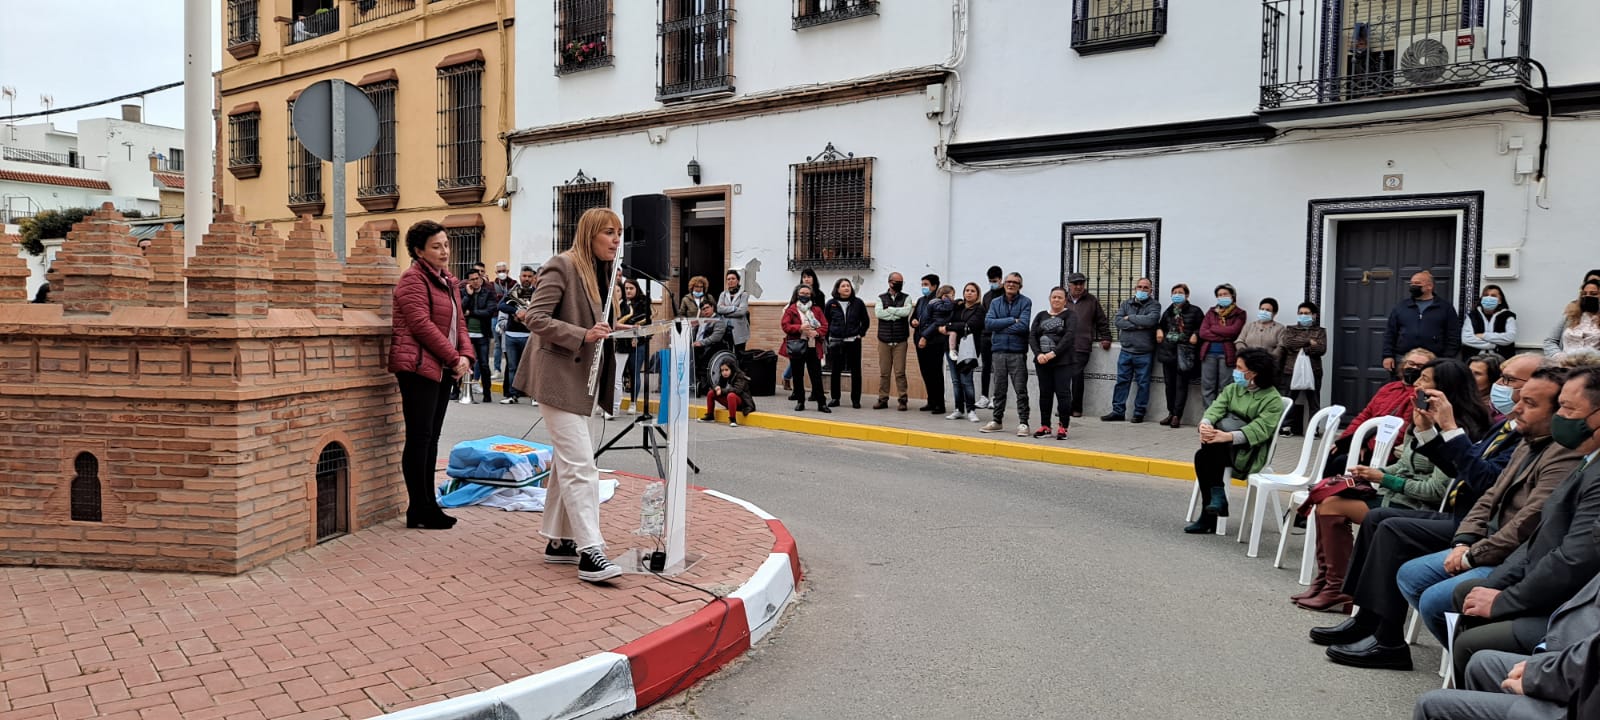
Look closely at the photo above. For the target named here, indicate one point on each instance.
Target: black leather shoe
(1204, 525)
(1367, 653)
(1344, 633)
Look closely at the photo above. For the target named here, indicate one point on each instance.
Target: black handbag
(796, 346)
(1186, 358)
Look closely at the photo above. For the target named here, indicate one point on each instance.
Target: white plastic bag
(967, 349)
(1303, 378)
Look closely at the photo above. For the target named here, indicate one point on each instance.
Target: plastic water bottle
(653, 510)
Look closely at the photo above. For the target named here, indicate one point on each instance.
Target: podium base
(636, 561)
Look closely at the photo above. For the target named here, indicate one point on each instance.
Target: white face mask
(502, 275)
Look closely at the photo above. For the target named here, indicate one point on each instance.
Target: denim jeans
(1428, 588)
(514, 348)
(961, 384)
(498, 349)
(1132, 368)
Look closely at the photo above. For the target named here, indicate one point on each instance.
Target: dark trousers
(1177, 387)
(1389, 537)
(986, 359)
(807, 364)
(930, 362)
(423, 403)
(1210, 461)
(846, 357)
(480, 348)
(1516, 635)
(1080, 362)
(1306, 404)
(1055, 384)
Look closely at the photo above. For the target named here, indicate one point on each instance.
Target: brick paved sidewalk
(362, 625)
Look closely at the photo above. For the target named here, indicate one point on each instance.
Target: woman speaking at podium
(566, 319)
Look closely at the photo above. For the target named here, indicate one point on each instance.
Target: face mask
(501, 275)
(1263, 315)
(994, 286)
(1141, 295)
(1589, 304)
(1304, 320)
(1239, 378)
(1500, 398)
(1409, 375)
(1570, 432)
(1179, 298)
(804, 303)
(1223, 302)
(1490, 302)
(896, 285)
(1416, 291)
(927, 291)
(699, 293)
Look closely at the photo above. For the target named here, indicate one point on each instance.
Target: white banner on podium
(680, 369)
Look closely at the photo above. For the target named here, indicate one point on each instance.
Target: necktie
(1489, 450)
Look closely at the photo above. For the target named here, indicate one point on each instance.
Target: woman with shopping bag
(965, 325)
(1303, 344)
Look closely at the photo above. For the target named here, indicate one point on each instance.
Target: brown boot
(1320, 581)
(1335, 542)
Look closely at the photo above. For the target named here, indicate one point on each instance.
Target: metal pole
(198, 123)
(338, 167)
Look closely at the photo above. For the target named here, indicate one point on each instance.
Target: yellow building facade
(439, 73)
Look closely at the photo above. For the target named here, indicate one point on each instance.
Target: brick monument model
(140, 431)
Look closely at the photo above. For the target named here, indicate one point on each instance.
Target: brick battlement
(195, 430)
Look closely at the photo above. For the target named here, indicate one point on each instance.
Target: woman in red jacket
(429, 354)
(805, 333)
(1218, 331)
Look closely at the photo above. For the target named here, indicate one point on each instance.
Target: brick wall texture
(207, 421)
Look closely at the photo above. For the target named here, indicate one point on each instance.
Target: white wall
(910, 195)
(44, 197)
(767, 54)
(126, 148)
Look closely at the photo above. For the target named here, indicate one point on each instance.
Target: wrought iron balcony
(1105, 25)
(42, 157)
(244, 33)
(1316, 52)
(315, 25)
(696, 54)
(810, 13)
(369, 10)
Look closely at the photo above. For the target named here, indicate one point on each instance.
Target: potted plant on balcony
(577, 52)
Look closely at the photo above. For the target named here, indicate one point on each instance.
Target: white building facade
(1317, 150)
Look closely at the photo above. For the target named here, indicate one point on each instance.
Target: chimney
(131, 113)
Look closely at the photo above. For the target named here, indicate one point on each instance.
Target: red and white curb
(647, 670)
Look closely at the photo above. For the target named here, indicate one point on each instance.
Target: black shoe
(561, 552)
(833, 403)
(925, 408)
(1218, 506)
(708, 418)
(1349, 631)
(1205, 525)
(822, 407)
(794, 396)
(1137, 419)
(1111, 417)
(855, 404)
(594, 567)
(800, 406)
(435, 520)
(1368, 653)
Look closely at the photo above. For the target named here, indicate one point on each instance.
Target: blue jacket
(1007, 324)
(1475, 466)
(1438, 329)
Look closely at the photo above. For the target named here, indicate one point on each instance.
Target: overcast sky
(87, 50)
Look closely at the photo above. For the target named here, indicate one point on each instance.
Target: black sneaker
(561, 552)
(1111, 417)
(594, 567)
(708, 418)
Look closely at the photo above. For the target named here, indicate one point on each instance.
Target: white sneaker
(983, 403)
(533, 402)
(508, 401)
(972, 416)
(733, 423)
(991, 427)
(1022, 430)
(953, 416)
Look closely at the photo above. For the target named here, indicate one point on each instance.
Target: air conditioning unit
(1425, 60)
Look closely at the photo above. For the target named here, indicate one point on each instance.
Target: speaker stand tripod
(652, 437)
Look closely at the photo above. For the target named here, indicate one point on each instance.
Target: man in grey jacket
(1136, 321)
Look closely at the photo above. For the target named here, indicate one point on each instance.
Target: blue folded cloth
(498, 458)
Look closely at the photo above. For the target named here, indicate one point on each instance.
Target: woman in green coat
(1236, 432)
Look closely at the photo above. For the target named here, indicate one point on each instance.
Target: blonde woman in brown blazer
(566, 330)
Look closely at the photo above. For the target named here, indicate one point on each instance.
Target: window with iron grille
(572, 199)
(583, 35)
(696, 48)
(830, 212)
(242, 23)
(466, 249)
(1114, 255)
(369, 10)
(1104, 25)
(808, 13)
(333, 489)
(391, 240)
(378, 168)
(244, 139)
(305, 170)
(86, 488)
(461, 126)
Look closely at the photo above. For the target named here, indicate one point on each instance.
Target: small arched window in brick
(86, 488)
(333, 489)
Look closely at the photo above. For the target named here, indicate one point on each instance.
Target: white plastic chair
(1388, 433)
(1413, 618)
(1196, 502)
(1321, 432)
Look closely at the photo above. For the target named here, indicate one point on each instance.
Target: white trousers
(572, 493)
(616, 394)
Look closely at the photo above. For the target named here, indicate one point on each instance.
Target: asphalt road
(946, 586)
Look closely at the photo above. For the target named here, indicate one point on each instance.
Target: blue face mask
(1489, 302)
(699, 293)
(1500, 398)
(1141, 295)
(1304, 320)
(1179, 298)
(1239, 378)
(1223, 302)
(927, 291)
(994, 286)
(1263, 315)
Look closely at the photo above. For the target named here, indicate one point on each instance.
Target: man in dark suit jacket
(1506, 610)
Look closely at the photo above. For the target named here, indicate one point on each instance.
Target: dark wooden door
(1376, 259)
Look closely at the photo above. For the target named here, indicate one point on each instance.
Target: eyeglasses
(1512, 381)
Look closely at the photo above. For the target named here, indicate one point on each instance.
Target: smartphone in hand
(1422, 402)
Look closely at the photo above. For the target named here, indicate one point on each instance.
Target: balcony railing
(1138, 23)
(243, 27)
(810, 13)
(368, 10)
(315, 25)
(41, 157)
(696, 54)
(1316, 51)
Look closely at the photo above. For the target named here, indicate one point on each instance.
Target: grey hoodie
(1136, 325)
